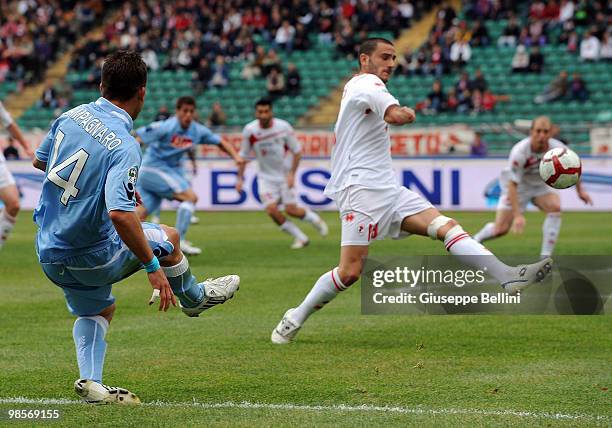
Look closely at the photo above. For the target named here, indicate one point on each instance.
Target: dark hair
(263, 102)
(368, 46)
(123, 74)
(185, 100)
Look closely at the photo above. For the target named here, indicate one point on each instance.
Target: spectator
(480, 35)
(220, 73)
(301, 42)
(407, 64)
(201, 78)
(479, 82)
(479, 147)
(606, 48)
(489, 100)
(566, 11)
(294, 80)
(578, 88)
(48, 98)
(436, 99)
(465, 101)
(284, 36)
(536, 60)
(452, 102)
(406, 10)
(11, 152)
(162, 113)
(589, 47)
(438, 61)
(217, 116)
(460, 53)
(555, 90)
(275, 84)
(270, 61)
(520, 60)
(463, 83)
(254, 67)
(477, 106)
(551, 12)
(150, 58)
(511, 33)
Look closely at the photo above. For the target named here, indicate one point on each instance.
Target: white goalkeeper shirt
(270, 146)
(524, 164)
(362, 153)
(5, 121)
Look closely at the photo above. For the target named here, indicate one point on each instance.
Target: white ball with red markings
(560, 168)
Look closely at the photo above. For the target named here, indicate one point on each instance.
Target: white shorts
(369, 214)
(6, 178)
(272, 192)
(524, 196)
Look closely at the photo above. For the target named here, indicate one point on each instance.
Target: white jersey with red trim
(362, 153)
(5, 121)
(270, 146)
(524, 164)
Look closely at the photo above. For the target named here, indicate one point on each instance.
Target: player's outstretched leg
(8, 216)
(300, 238)
(194, 298)
(327, 287)
(472, 253)
(309, 216)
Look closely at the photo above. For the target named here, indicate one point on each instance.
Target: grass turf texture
(536, 364)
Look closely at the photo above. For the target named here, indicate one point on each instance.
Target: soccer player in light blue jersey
(162, 176)
(89, 235)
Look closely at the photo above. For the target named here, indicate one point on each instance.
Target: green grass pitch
(434, 370)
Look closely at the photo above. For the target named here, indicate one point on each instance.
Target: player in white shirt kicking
(372, 204)
(521, 183)
(270, 138)
(9, 194)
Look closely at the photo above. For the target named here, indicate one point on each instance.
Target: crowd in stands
(33, 33)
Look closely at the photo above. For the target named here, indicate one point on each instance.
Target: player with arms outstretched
(372, 204)
(9, 194)
(521, 183)
(270, 138)
(89, 235)
(162, 175)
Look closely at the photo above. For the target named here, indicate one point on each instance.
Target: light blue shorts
(87, 280)
(160, 182)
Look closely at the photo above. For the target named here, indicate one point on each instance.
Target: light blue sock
(88, 334)
(183, 217)
(184, 284)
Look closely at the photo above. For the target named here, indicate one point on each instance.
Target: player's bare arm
(129, 229)
(38, 164)
(518, 223)
(582, 194)
(398, 115)
(227, 148)
(14, 130)
(294, 166)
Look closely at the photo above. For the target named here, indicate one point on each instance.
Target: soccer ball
(560, 168)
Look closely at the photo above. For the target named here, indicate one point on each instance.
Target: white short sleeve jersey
(524, 164)
(362, 153)
(5, 121)
(270, 146)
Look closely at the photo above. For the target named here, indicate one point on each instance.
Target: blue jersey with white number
(168, 141)
(92, 167)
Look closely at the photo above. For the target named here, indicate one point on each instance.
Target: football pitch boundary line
(366, 408)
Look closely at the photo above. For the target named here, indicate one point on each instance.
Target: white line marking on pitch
(339, 407)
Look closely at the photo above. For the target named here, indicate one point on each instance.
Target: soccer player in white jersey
(9, 195)
(521, 183)
(270, 138)
(372, 205)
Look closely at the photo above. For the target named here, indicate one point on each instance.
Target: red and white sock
(550, 233)
(460, 244)
(7, 222)
(487, 232)
(325, 290)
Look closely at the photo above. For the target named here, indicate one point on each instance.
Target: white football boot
(321, 227)
(216, 292)
(194, 220)
(286, 329)
(298, 243)
(155, 219)
(189, 249)
(526, 275)
(96, 393)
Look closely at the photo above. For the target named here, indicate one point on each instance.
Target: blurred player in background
(89, 235)
(270, 138)
(162, 175)
(372, 204)
(9, 195)
(521, 183)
